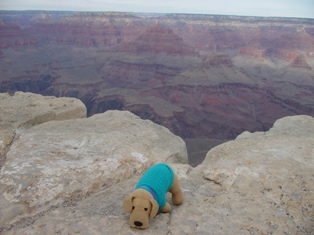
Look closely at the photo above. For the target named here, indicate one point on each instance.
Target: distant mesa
(158, 39)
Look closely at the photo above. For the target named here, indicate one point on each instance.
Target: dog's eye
(132, 208)
(145, 209)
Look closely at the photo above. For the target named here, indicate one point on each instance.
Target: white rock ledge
(260, 183)
(57, 160)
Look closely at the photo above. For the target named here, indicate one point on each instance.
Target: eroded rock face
(260, 183)
(23, 110)
(126, 61)
(55, 161)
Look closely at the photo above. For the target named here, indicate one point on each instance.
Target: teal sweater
(157, 180)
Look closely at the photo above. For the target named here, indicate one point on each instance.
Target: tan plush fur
(143, 206)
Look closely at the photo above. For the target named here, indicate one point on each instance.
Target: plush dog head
(142, 207)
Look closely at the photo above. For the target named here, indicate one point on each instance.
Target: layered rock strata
(143, 62)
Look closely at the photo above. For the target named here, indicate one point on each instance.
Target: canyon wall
(201, 76)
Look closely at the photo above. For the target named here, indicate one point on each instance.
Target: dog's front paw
(177, 198)
(166, 209)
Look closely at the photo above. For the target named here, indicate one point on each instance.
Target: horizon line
(156, 13)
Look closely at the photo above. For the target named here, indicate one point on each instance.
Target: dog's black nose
(138, 223)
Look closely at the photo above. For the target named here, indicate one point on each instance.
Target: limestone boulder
(260, 183)
(57, 161)
(22, 110)
(267, 178)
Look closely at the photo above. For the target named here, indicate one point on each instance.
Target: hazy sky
(285, 8)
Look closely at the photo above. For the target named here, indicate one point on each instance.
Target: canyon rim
(70, 175)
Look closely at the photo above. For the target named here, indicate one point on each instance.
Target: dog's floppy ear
(155, 208)
(127, 203)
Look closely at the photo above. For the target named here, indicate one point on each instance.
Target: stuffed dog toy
(149, 196)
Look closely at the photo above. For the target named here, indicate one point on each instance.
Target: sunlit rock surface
(51, 163)
(23, 110)
(77, 173)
